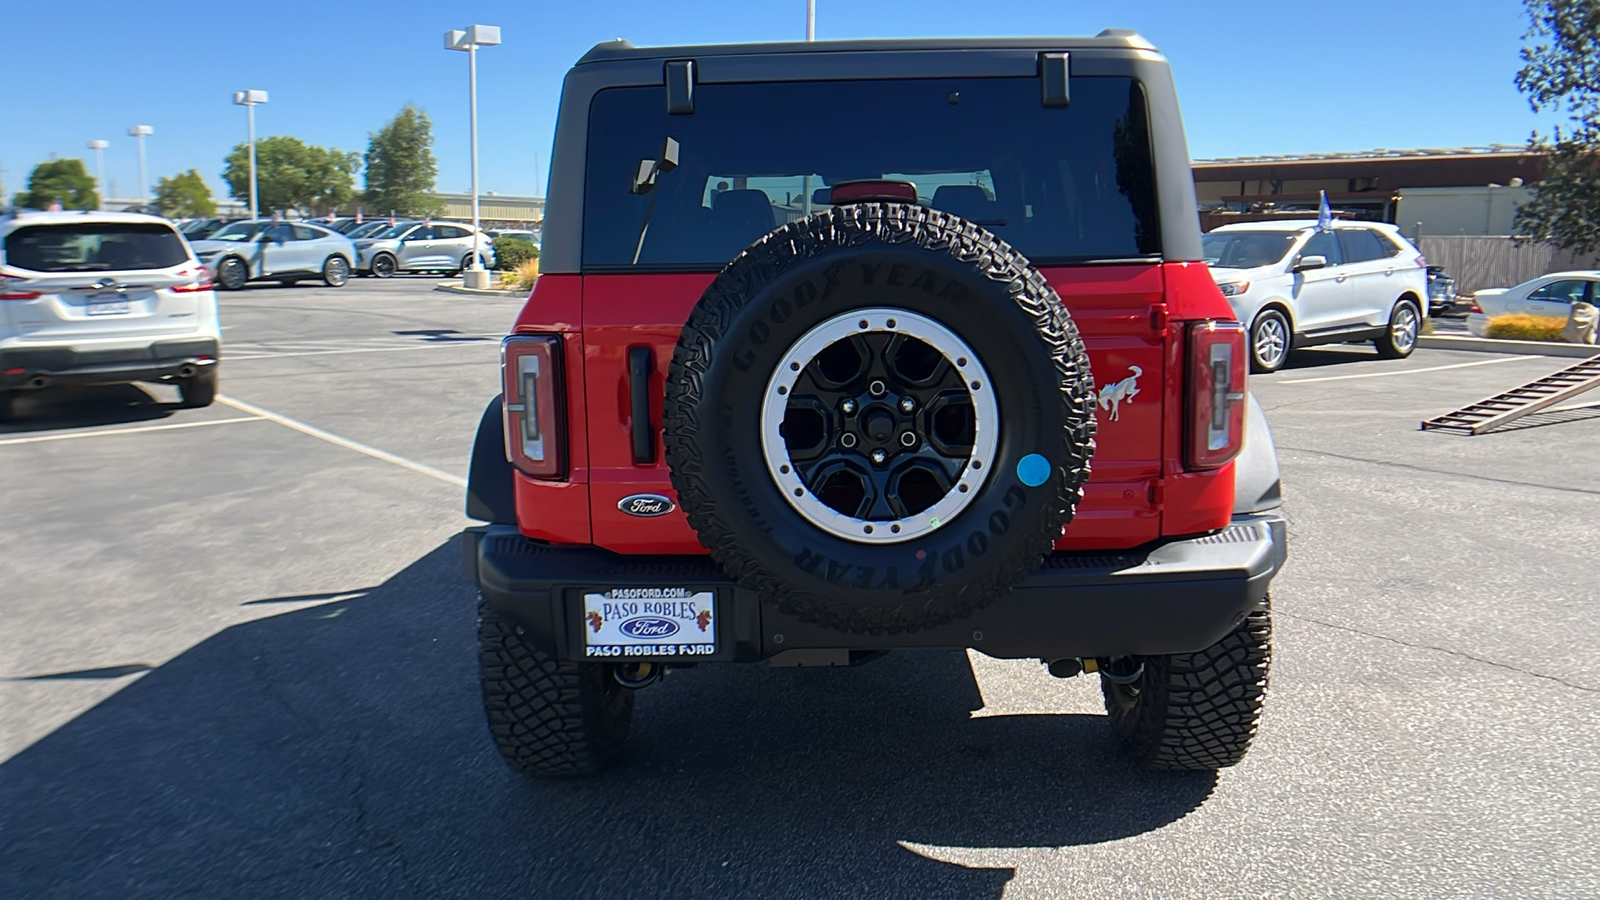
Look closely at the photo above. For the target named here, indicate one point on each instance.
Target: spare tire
(879, 418)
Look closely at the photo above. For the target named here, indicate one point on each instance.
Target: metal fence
(1478, 262)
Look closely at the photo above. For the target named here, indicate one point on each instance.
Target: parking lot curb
(454, 287)
(1496, 345)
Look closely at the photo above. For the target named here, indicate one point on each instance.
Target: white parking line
(340, 441)
(41, 438)
(260, 354)
(1467, 365)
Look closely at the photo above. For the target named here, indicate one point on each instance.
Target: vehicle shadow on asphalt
(86, 406)
(339, 749)
(1312, 358)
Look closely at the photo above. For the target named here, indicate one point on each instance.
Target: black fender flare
(491, 489)
(1256, 483)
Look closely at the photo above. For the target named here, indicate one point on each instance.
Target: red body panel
(1130, 317)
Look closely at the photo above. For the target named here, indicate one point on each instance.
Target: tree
(292, 174)
(184, 195)
(63, 181)
(401, 168)
(1561, 73)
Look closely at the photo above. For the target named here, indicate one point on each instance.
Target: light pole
(811, 20)
(250, 100)
(139, 133)
(99, 147)
(470, 40)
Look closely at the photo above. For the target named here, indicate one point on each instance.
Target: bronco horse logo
(1113, 395)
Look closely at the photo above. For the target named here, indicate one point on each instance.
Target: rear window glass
(95, 247)
(1061, 184)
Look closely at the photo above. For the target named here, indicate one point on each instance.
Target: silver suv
(422, 247)
(103, 298)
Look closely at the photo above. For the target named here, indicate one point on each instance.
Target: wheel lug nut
(878, 456)
(847, 407)
(907, 404)
(847, 440)
(907, 439)
(877, 389)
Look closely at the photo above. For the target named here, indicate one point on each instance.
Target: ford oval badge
(646, 506)
(645, 628)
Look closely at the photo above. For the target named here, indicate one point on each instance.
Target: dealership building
(1459, 191)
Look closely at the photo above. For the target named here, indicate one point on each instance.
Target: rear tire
(8, 405)
(549, 717)
(1405, 323)
(1195, 711)
(198, 390)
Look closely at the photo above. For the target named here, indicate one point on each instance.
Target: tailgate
(1118, 310)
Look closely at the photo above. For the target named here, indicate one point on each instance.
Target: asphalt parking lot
(237, 659)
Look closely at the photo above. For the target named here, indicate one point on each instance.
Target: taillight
(202, 282)
(1216, 386)
(14, 289)
(1475, 308)
(530, 375)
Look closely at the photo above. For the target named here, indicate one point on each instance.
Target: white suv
(1297, 285)
(103, 298)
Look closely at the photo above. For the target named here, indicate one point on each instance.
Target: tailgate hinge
(1158, 319)
(1158, 493)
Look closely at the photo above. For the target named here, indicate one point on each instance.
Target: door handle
(640, 362)
(1340, 278)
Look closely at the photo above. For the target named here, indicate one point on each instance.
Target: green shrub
(511, 253)
(1522, 327)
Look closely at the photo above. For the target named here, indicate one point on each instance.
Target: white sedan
(1547, 295)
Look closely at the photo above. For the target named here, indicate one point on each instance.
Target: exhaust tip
(186, 372)
(1064, 668)
(38, 381)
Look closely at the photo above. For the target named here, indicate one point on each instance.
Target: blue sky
(1253, 77)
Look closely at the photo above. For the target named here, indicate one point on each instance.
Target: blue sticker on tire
(1033, 470)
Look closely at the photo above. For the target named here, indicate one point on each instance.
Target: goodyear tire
(870, 329)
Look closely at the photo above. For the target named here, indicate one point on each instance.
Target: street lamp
(139, 133)
(470, 40)
(250, 100)
(99, 146)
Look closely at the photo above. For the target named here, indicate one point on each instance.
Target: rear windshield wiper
(644, 182)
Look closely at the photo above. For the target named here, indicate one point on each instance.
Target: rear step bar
(1503, 409)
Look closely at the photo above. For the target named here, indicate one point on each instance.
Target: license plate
(649, 622)
(106, 307)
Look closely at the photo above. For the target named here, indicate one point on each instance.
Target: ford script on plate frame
(649, 622)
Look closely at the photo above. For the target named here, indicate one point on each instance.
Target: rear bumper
(1173, 597)
(159, 361)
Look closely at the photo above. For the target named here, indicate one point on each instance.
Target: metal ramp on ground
(1535, 396)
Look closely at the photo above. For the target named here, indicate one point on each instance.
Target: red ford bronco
(850, 347)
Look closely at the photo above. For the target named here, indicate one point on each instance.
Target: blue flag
(1324, 214)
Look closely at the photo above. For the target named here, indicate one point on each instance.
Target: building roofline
(1379, 155)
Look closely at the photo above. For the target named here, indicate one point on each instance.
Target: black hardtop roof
(1110, 39)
